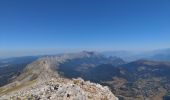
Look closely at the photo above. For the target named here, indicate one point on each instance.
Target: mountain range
(141, 79)
(156, 55)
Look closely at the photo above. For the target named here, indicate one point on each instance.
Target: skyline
(83, 25)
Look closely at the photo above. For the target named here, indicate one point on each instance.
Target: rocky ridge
(41, 81)
(63, 89)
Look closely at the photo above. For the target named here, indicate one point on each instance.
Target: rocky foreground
(40, 81)
(62, 89)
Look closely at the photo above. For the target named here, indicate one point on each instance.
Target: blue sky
(84, 24)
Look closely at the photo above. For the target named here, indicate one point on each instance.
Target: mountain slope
(40, 80)
(12, 67)
(143, 80)
(80, 66)
(137, 80)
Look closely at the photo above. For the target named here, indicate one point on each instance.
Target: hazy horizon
(45, 27)
(20, 53)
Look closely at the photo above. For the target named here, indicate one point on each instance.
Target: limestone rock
(62, 89)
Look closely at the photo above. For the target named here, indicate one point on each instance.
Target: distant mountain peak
(89, 52)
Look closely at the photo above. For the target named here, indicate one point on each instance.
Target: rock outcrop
(40, 81)
(62, 89)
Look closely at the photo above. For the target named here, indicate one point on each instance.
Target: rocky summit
(62, 89)
(40, 81)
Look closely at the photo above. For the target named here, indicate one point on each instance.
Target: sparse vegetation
(76, 81)
(17, 87)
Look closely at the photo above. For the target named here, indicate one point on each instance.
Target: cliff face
(41, 81)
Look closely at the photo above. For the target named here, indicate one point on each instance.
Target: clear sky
(84, 24)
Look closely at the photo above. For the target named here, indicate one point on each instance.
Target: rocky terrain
(55, 77)
(62, 89)
(40, 80)
(139, 80)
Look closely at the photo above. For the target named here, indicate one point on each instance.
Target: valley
(139, 80)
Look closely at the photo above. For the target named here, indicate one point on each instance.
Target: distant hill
(161, 55)
(146, 79)
(17, 60)
(156, 55)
